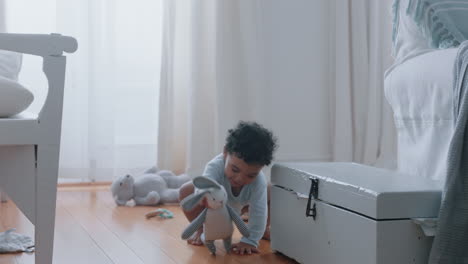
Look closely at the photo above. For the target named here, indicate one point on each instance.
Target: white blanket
(13, 242)
(419, 91)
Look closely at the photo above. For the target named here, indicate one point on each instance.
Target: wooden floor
(90, 228)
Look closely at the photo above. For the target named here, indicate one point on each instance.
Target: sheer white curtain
(110, 119)
(212, 76)
(362, 124)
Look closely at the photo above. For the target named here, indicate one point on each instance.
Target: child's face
(238, 172)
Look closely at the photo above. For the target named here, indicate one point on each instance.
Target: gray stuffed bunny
(152, 188)
(217, 218)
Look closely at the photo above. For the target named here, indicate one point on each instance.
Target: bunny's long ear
(203, 182)
(189, 202)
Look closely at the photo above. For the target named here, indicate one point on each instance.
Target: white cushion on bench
(14, 98)
(10, 64)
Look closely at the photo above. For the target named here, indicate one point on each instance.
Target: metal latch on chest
(311, 211)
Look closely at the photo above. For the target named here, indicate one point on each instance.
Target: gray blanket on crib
(451, 240)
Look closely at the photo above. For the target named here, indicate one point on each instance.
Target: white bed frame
(30, 143)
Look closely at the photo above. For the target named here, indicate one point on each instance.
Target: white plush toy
(152, 188)
(216, 218)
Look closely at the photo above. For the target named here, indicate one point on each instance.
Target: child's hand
(244, 249)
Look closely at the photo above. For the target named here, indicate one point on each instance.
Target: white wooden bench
(30, 143)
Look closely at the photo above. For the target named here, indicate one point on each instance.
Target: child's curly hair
(251, 142)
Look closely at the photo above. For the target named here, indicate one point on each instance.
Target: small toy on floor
(161, 212)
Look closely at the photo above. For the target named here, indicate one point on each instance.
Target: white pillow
(14, 98)
(10, 64)
(408, 39)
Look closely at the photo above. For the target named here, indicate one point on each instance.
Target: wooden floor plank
(8, 259)
(146, 250)
(73, 244)
(13, 218)
(175, 227)
(163, 233)
(116, 249)
(91, 228)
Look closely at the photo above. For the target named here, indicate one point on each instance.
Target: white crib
(30, 143)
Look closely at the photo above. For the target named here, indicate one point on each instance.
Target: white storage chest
(332, 213)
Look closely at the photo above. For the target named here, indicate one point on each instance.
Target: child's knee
(185, 190)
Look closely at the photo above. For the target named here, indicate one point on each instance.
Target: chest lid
(373, 192)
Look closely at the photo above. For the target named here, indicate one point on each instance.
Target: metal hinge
(313, 194)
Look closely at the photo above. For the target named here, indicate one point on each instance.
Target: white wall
(297, 53)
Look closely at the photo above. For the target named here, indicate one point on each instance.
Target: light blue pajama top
(253, 194)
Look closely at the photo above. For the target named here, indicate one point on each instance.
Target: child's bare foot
(266, 235)
(195, 239)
